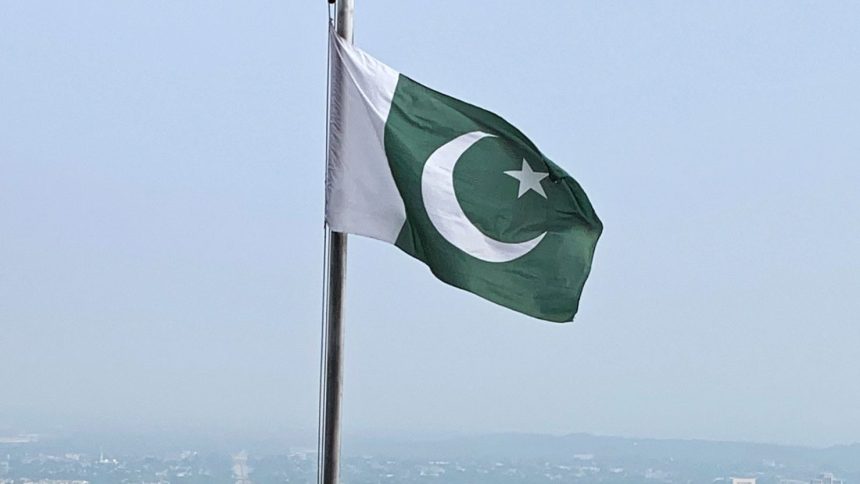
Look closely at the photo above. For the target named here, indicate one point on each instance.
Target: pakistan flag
(456, 187)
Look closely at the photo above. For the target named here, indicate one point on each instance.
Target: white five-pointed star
(529, 179)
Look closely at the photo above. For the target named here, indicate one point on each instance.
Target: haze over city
(161, 202)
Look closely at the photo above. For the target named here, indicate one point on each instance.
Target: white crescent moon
(446, 214)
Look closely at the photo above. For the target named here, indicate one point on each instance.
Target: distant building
(827, 479)
(743, 480)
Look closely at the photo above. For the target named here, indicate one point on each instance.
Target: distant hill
(693, 454)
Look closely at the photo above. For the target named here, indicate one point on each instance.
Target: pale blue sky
(161, 199)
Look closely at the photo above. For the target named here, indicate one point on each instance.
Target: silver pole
(330, 459)
(334, 361)
(343, 25)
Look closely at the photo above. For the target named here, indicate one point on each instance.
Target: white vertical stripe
(361, 197)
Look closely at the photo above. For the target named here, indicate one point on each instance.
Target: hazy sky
(161, 176)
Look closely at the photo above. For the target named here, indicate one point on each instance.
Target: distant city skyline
(512, 458)
(161, 201)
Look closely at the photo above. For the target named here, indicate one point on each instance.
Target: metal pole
(330, 461)
(343, 25)
(333, 360)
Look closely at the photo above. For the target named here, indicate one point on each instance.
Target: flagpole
(329, 460)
